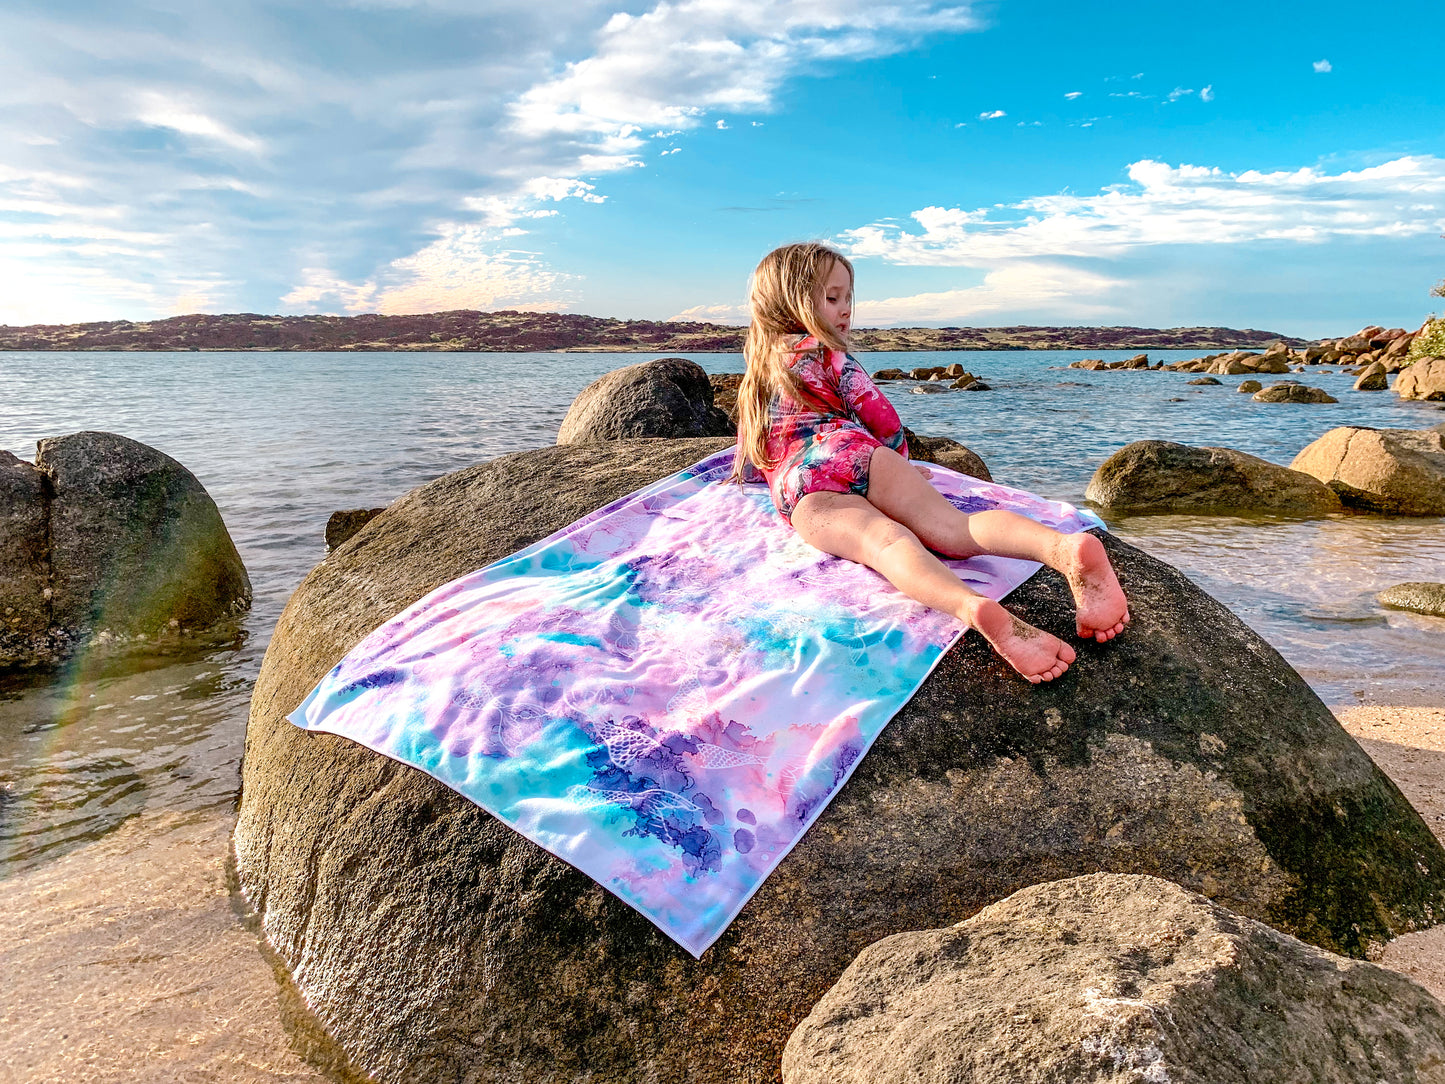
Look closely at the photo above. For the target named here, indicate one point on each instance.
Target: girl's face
(835, 299)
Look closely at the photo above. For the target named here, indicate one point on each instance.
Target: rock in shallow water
(1116, 979)
(670, 397)
(436, 944)
(132, 546)
(1398, 471)
(1293, 393)
(1421, 598)
(1161, 476)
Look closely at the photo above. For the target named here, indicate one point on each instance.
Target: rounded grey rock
(1109, 979)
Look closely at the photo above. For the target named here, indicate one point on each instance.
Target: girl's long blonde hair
(783, 295)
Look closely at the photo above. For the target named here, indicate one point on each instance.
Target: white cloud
(1064, 292)
(1207, 94)
(722, 126)
(161, 112)
(992, 116)
(1071, 95)
(1167, 205)
(737, 314)
(368, 128)
(461, 269)
(1323, 66)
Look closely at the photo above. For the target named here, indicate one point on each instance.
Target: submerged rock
(1421, 598)
(439, 945)
(1161, 476)
(1399, 471)
(132, 548)
(670, 397)
(1109, 979)
(1291, 392)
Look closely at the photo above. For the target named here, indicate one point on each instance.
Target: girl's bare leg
(902, 494)
(848, 526)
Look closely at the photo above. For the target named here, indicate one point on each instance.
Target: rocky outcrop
(1249, 386)
(1425, 379)
(107, 539)
(1110, 979)
(1161, 476)
(438, 945)
(1420, 598)
(1290, 392)
(1398, 471)
(670, 397)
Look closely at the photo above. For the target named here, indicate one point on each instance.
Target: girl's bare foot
(1103, 611)
(1032, 652)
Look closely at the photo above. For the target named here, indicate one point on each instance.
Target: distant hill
(465, 329)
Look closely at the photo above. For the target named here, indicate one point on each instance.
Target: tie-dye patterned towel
(666, 693)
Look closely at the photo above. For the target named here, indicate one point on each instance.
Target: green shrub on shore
(1430, 342)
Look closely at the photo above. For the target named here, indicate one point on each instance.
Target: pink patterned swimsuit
(828, 450)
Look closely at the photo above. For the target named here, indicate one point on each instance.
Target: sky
(1277, 166)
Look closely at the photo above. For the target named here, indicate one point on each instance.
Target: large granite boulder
(436, 944)
(1116, 979)
(131, 548)
(670, 397)
(1161, 476)
(1422, 379)
(1398, 471)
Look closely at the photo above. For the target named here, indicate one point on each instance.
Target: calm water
(282, 440)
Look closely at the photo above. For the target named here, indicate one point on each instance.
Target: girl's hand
(921, 469)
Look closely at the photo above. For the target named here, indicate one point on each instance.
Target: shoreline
(158, 975)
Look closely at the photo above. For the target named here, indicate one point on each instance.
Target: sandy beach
(156, 975)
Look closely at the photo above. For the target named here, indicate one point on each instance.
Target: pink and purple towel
(666, 693)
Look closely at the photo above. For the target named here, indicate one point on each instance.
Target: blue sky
(1027, 161)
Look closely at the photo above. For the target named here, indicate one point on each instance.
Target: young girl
(832, 450)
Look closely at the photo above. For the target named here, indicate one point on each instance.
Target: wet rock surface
(1397, 471)
(670, 397)
(1115, 979)
(1161, 476)
(437, 944)
(107, 537)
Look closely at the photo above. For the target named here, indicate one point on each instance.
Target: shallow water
(282, 440)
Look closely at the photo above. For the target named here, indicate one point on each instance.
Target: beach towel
(665, 693)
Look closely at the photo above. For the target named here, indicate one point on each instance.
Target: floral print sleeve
(869, 405)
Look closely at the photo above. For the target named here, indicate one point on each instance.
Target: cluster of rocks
(1371, 355)
(936, 378)
(437, 944)
(110, 544)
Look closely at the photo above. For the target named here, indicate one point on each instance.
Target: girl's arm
(869, 405)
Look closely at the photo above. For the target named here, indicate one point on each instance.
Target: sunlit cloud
(1168, 205)
(1027, 286)
(1322, 66)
